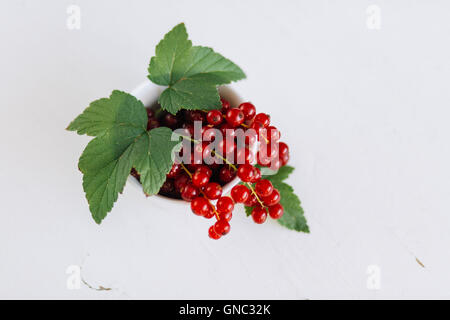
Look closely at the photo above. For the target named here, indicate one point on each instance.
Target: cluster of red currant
(201, 183)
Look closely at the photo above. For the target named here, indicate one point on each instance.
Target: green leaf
(192, 74)
(293, 217)
(248, 211)
(119, 110)
(122, 143)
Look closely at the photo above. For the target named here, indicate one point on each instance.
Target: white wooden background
(365, 112)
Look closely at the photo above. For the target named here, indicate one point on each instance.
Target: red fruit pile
(201, 183)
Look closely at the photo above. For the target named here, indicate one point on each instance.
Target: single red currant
(222, 227)
(259, 215)
(170, 120)
(240, 193)
(181, 181)
(150, 112)
(226, 216)
(284, 159)
(234, 117)
(213, 234)
(263, 118)
(276, 211)
(200, 206)
(200, 179)
(273, 134)
(214, 117)
(272, 199)
(175, 171)
(224, 205)
(257, 175)
(189, 192)
(248, 110)
(245, 172)
(213, 190)
(225, 105)
(251, 201)
(226, 174)
(283, 149)
(263, 188)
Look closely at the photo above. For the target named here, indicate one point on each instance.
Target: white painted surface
(366, 113)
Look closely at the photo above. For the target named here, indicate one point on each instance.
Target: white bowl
(148, 93)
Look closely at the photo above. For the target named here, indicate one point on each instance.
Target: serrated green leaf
(153, 166)
(192, 74)
(279, 175)
(119, 110)
(293, 216)
(248, 211)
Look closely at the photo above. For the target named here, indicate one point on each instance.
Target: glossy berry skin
(226, 174)
(263, 118)
(226, 216)
(283, 149)
(275, 164)
(200, 179)
(263, 188)
(251, 201)
(276, 211)
(225, 105)
(222, 227)
(248, 110)
(170, 120)
(256, 175)
(150, 112)
(245, 172)
(210, 214)
(214, 117)
(259, 215)
(175, 171)
(243, 155)
(213, 190)
(273, 134)
(189, 192)
(240, 193)
(272, 199)
(257, 126)
(224, 205)
(181, 181)
(200, 206)
(284, 159)
(234, 117)
(213, 234)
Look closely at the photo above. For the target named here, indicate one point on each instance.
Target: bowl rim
(148, 92)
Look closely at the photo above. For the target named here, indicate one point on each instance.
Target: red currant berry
(259, 215)
(170, 120)
(240, 193)
(213, 190)
(276, 211)
(200, 206)
(226, 174)
(226, 216)
(150, 112)
(272, 199)
(283, 149)
(181, 181)
(194, 115)
(245, 172)
(189, 129)
(225, 105)
(275, 164)
(167, 187)
(152, 123)
(210, 214)
(248, 110)
(263, 188)
(222, 227)
(175, 171)
(228, 131)
(251, 201)
(213, 234)
(257, 126)
(224, 205)
(200, 179)
(284, 159)
(273, 134)
(263, 118)
(226, 147)
(234, 117)
(243, 155)
(189, 192)
(257, 175)
(214, 117)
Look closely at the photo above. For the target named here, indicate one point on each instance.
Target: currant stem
(254, 192)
